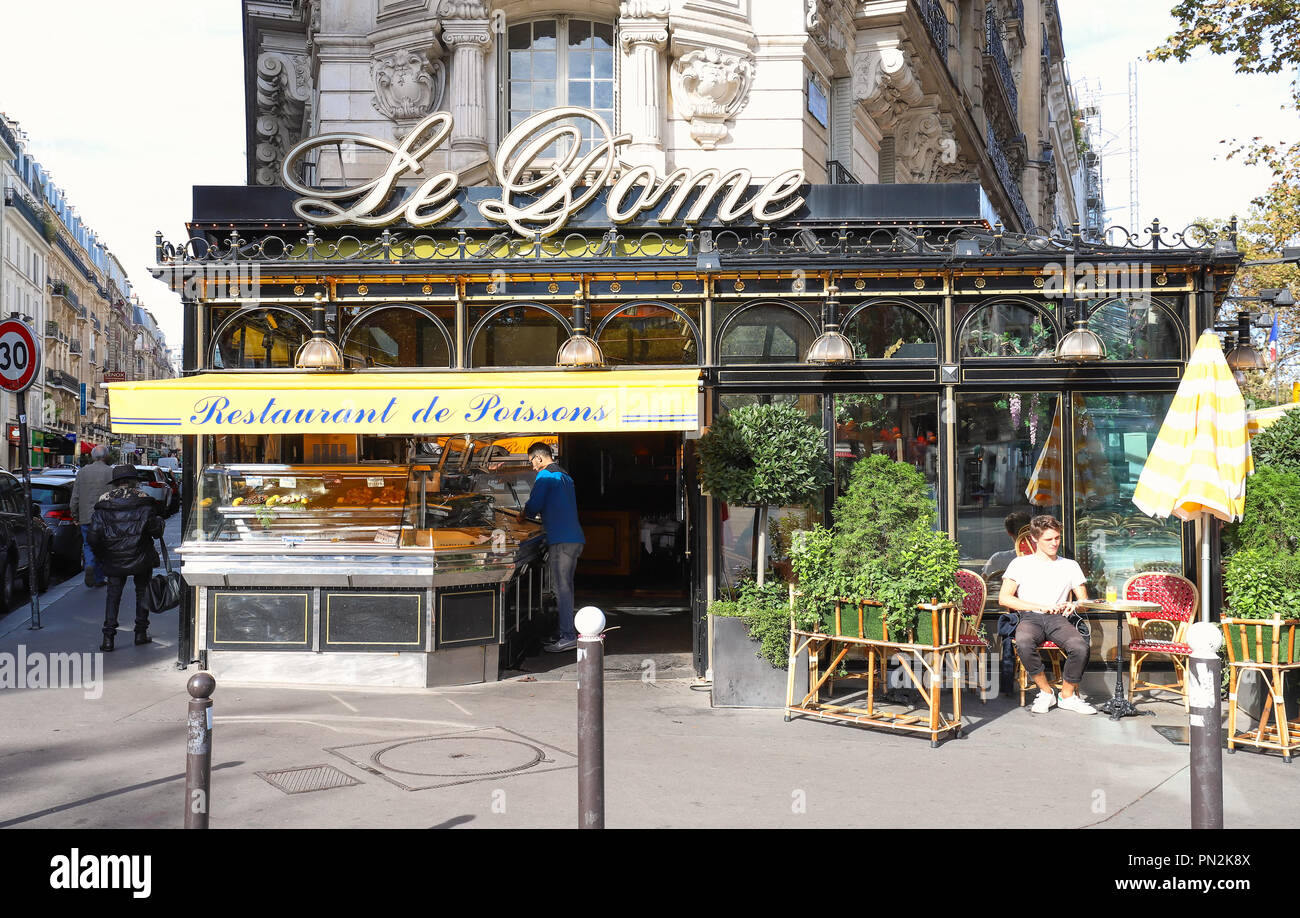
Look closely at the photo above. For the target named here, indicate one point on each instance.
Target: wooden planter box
(1270, 640)
(858, 618)
(742, 678)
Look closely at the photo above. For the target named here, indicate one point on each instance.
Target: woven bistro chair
(1055, 660)
(1163, 633)
(1025, 544)
(972, 611)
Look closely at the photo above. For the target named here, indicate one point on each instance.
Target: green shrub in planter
(885, 543)
(1262, 583)
(765, 609)
(1272, 514)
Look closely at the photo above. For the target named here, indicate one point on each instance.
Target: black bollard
(1205, 732)
(590, 622)
(198, 758)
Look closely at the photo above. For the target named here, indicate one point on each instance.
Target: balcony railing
(936, 23)
(62, 380)
(1009, 183)
(838, 174)
(52, 329)
(60, 289)
(997, 52)
(75, 348)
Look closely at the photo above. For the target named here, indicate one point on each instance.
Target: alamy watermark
(37, 670)
(75, 870)
(1094, 279)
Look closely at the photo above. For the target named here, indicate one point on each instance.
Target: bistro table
(1119, 706)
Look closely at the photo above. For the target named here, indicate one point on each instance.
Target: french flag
(1272, 342)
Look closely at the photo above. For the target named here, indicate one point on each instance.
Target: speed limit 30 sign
(20, 356)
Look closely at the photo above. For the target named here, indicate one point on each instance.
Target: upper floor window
(560, 61)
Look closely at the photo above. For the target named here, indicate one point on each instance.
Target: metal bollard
(198, 759)
(1205, 733)
(590, 622)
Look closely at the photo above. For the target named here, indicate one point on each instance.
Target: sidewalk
(503, 754)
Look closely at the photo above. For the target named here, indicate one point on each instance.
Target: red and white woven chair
(1025, 544)
(972, 610)
(1163, 633)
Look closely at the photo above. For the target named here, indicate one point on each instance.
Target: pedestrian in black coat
(122, 529)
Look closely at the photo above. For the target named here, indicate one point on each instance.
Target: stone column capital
(652, 32)
(469, 32)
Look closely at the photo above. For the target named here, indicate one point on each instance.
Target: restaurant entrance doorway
(633, 506)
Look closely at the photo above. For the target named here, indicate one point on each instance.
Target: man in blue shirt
(554, 500)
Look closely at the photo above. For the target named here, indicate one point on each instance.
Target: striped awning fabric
(1201, 458)
(1258, 420)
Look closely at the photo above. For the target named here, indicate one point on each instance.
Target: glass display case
(301, 503)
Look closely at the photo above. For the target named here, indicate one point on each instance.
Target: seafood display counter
(371, 574)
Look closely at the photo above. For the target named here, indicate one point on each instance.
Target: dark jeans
(1034, 628)
(113, 601)
(88, 556)
(564, 561)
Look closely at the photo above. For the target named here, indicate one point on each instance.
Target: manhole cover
(307, 778)
(458, 756)
(463, 757)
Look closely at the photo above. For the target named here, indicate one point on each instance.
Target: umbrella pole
(1207, 523)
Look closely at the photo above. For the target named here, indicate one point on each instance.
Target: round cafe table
(1119, 706)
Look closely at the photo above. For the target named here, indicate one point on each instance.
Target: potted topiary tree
(763, 455)
(758, 455)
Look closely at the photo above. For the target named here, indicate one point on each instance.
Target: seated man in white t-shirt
(1038, 586)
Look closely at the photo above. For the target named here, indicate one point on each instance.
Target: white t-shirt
(1044, 583)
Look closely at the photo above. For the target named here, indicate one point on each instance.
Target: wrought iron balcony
(936, 23)
(1009, 183)
(997, 65)
(838, 174)
(63, 291)
(52, 329)
(75, 348)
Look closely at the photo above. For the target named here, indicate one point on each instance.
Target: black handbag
(165, 590)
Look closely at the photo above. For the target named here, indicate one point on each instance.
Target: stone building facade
(60, 278)
(869, 91)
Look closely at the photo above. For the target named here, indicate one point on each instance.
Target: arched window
(260, 339)
(1136, 328)
(648, 333)
(880, 330)
(560, 61)
(518, 336)
(1007, 329)
(397, 336)
(766, 333)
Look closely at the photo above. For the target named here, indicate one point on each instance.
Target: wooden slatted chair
(972, 611)
(1163, 633)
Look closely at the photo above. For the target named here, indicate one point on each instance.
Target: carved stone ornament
(407, 84)
(283, 89)
(885, 81)
(816, 14)
(709, 87)
(463, 9)
(923, 139)
(643, 9)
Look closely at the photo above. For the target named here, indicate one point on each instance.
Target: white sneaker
(1043, 703)
(1076, 704)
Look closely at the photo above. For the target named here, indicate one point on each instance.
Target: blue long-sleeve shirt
(554, 500)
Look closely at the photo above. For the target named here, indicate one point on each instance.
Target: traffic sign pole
(20, 361)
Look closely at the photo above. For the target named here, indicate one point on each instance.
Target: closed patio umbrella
(1091, 471)
(1201, 458)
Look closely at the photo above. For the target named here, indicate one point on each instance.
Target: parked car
(61, 470)
(154, 483)
(54, 495)
(15, 511)
(174, 480)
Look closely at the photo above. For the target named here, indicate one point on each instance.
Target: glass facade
(1007, 329)
(1136, 328)
(397, 337)
(260, 339)
(881, 330)
(904, 427)
(1111, 435)
(1009, 453)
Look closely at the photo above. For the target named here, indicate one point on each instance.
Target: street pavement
(503, 754)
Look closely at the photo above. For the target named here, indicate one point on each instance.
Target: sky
(128, 104)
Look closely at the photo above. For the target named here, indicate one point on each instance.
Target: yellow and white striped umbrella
(1201, 458)
(1044, 488)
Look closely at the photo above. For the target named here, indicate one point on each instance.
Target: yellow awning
(552, 401)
